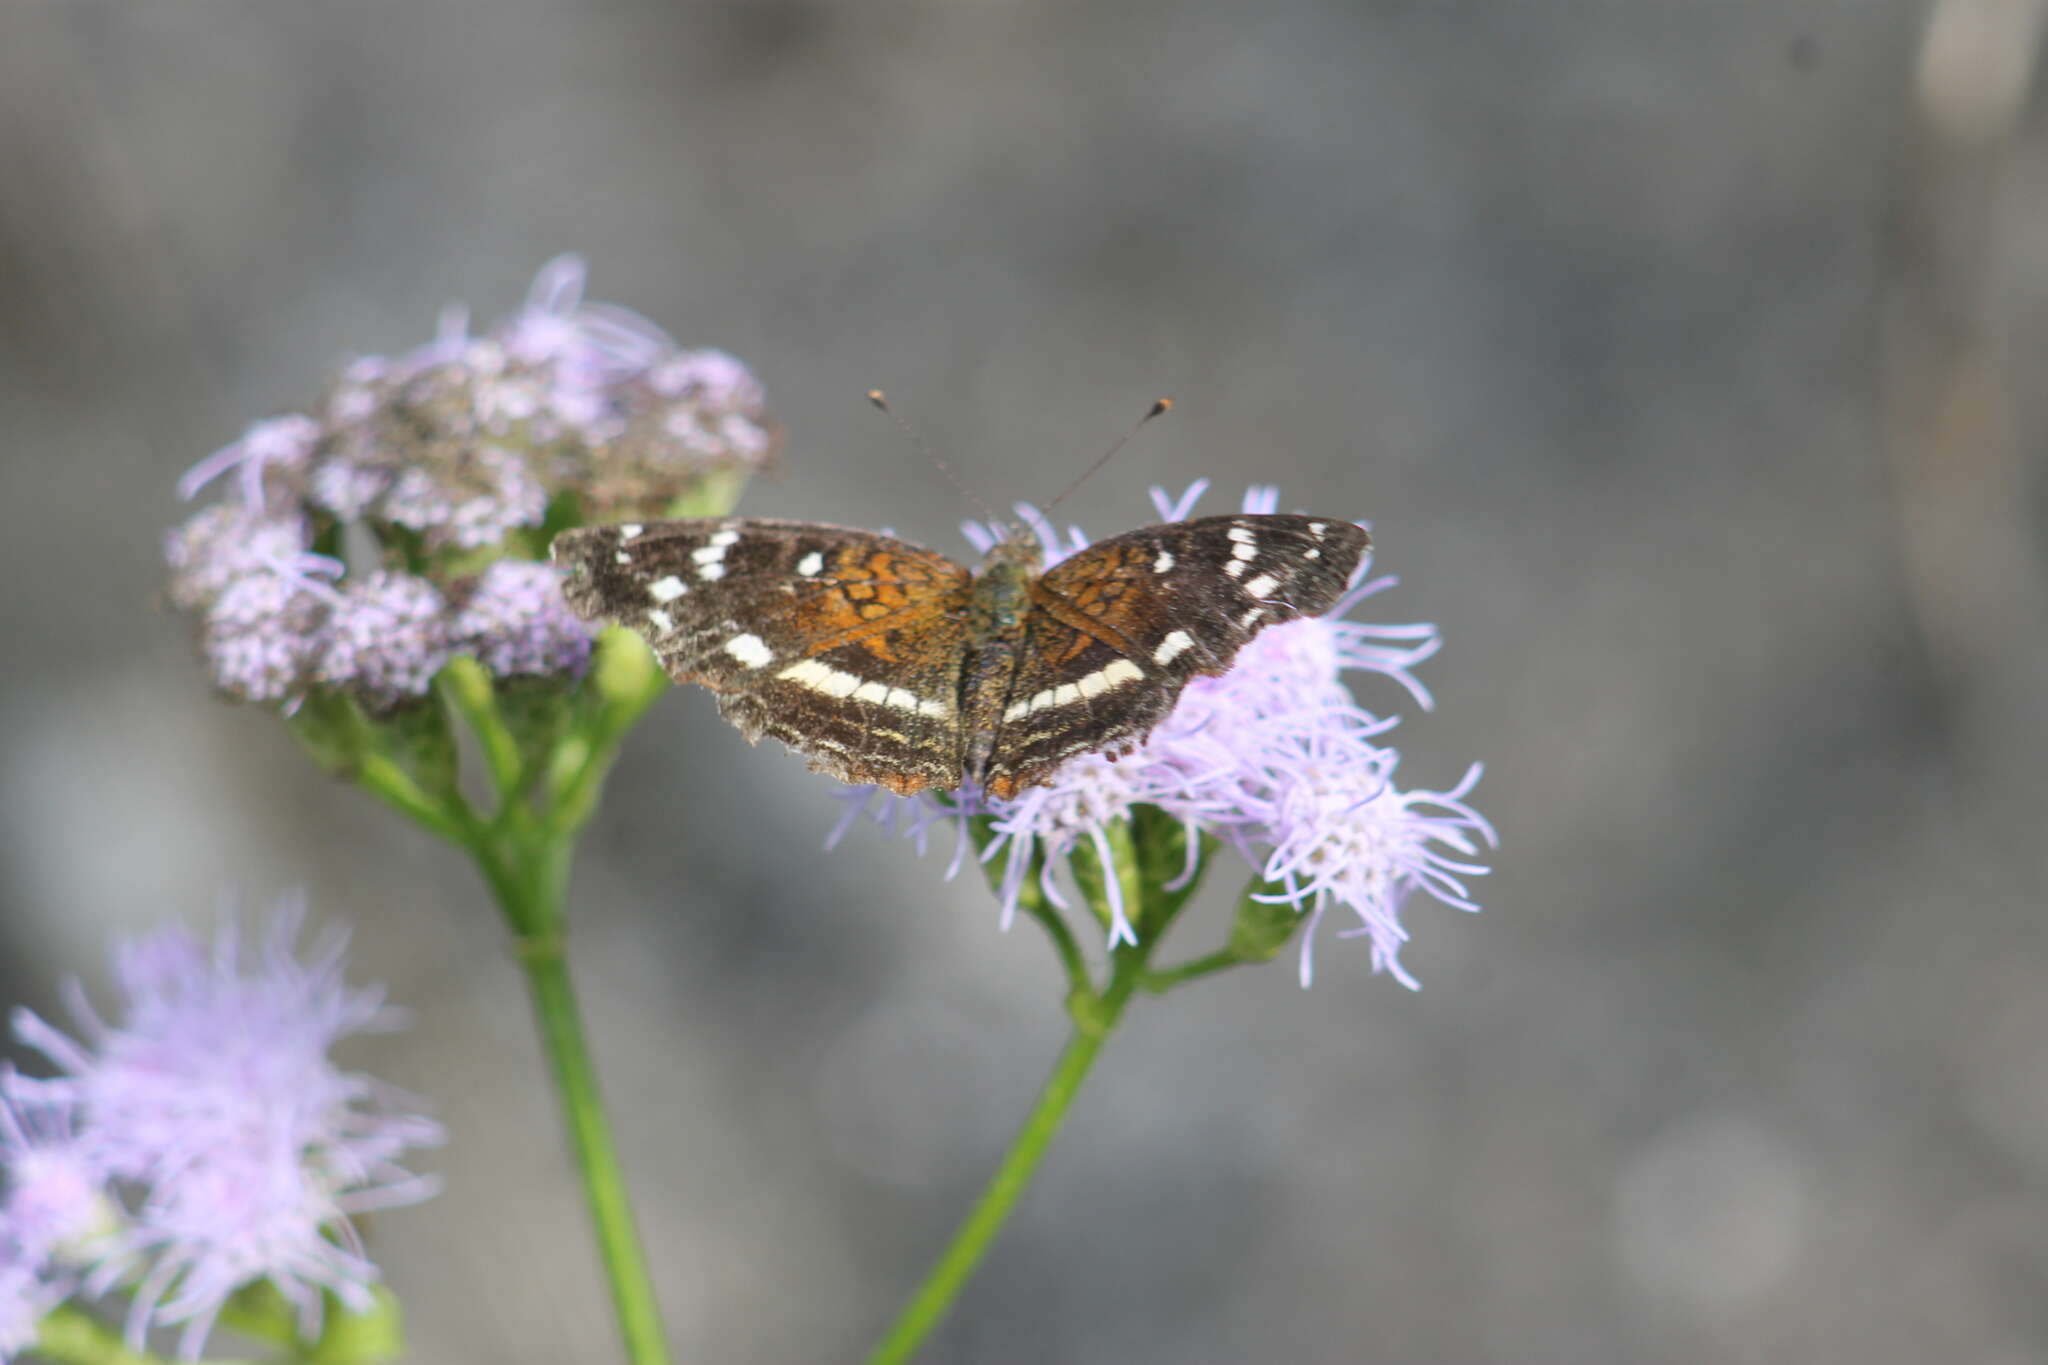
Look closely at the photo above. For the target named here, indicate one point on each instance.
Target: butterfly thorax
(997, 608)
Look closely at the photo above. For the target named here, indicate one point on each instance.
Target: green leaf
(1262, 928)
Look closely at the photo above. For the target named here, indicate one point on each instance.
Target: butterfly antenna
(881, 402)
(1162, 406)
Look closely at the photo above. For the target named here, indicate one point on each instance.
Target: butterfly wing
(1118, 629)
(843, 644)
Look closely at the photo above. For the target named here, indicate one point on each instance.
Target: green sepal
(1091, 877)
(1161, 845)
(404, 547)
(69, 1335)
(1262, 928)
(258, 1311)
(564, 512)
(622, 667)
(448, 565)
(537, 713)
(714, 494)
(419, 739)
(368, 1338)
(331, 728)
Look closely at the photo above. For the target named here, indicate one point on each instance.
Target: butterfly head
(1018, 549)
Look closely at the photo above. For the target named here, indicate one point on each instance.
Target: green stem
(573, 792)
(1166, 978)
(934, 1298)
(389, 783)
(546, 964)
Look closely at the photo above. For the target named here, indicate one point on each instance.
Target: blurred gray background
(1686, 356)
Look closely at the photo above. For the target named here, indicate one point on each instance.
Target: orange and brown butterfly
(883, 662)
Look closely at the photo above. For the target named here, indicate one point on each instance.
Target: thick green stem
(934, 1298)
(604, 1180)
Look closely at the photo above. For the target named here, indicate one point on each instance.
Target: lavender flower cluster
(362, 544)
(203, 1142)
(1275, 758)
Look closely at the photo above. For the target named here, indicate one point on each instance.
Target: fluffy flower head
(1276, 758)
(414, 474)
(209, 1115)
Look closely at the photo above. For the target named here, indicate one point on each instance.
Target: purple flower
(238, 1149)
(515, 623)
(385, 639)
(285, 443)
(440, 461)
(227, 542)
(26, 1295)
(55, 1206)
(56, 1198)
(1275, 758)
(475, 506)
(262, 635)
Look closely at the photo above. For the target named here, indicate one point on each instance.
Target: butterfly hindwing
(843, 644)
(1118, 629)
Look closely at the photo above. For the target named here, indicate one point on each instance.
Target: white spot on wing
(723, 539)
(810, 564)
(1235, 568)
(1316, 528)
(711, 573)
(821, 677)
(1017, 711)
(1172, 647)
(708, 554)
(631, 531)
(807, 673)
(750, 650)
(662, 621)
(937, 710)
(621, 557)
(1244, 622)
(1121, 672)
(1068, 694)
(666, 589)
(878, 693)
(1164, 562)
(1262, 585)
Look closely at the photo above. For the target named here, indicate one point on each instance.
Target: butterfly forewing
(843, 644)
(1119, 628)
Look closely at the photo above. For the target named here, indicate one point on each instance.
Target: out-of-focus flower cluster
(361, 544)
(201, 1141)
(1275, 758)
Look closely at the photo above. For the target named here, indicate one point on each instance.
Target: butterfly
(883, 662)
